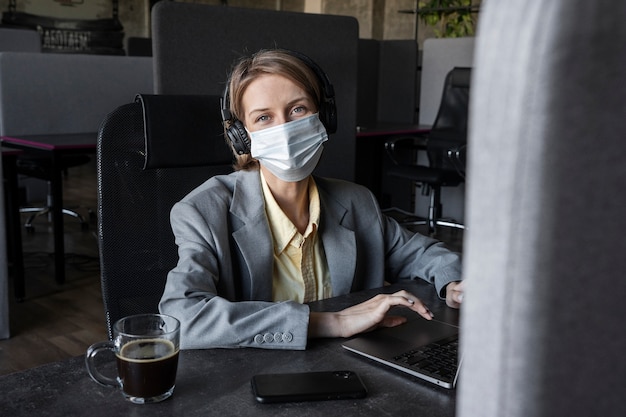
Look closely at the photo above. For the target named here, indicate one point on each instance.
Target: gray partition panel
(367, 82)
(194, 46)
(4, 273)
(19, 40)
(440, 56)
(397, 81)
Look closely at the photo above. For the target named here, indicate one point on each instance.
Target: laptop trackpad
(389, 342)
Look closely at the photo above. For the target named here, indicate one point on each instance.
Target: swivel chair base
(434, 218)
(42, 211)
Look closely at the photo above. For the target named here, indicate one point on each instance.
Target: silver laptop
(425, 349)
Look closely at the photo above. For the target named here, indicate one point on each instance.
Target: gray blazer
(221, 289)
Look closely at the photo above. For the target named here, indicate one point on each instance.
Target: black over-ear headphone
(236, 132)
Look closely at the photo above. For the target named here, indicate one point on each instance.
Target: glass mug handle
(91, 367)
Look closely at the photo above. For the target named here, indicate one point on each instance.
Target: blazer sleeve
(199, 293)
(383, 248)
(413, 255)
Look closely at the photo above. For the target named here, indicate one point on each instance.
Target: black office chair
(445, 145)
(36, 166)
(150, 154)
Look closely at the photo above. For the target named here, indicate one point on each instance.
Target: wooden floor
(56, 322)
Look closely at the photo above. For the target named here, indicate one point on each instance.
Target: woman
(256, 245)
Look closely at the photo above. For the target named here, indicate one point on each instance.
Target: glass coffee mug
(146, 349)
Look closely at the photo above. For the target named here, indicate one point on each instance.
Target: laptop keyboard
(439, 359)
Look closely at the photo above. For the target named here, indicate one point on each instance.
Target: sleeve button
(268, 338)
(287, 337)
(258, 339)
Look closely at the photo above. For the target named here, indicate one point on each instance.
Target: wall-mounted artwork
(72, 26)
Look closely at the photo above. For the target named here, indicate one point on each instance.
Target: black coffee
(147, 367)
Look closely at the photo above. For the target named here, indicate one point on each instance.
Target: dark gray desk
(216, 382)
(55, 146)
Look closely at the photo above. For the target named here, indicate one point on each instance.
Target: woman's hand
(454, 294)
(365, 316)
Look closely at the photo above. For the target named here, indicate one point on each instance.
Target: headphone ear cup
(238, 138)
(328, 115)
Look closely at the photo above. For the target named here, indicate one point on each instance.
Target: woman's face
(272, 100)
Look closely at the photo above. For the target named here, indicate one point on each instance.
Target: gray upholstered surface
(543, 321)
(19, 40)
(4, 274)
(194, 46)
(45, 93)
(387, 77)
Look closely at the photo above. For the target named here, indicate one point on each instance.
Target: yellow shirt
(300, 270)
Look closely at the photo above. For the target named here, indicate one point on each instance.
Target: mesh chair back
(448, 136)
(137, 247)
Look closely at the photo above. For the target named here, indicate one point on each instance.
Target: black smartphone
(307, 386)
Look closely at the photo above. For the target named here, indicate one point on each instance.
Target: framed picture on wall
(72, 26)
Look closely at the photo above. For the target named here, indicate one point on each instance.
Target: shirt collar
(283, 230)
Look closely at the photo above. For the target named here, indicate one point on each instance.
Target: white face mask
(291, 150)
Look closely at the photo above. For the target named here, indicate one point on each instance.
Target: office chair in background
(40, 167)
(445, 146)
(150, 154)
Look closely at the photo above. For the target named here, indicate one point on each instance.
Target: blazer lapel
(252, 235)
(339, 243)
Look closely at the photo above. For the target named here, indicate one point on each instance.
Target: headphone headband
(235, 130)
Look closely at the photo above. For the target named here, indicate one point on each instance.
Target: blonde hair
(266, 61)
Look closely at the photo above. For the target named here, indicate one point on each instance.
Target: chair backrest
(542, 325)
(136, 193)
(448, 136)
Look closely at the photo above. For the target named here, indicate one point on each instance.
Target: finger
(458, 292)
(424, 312)
(403, 298)
(392, 321)
(400, 298)
(421, 309)
(415, 304)
(454, 298)
(453, 304)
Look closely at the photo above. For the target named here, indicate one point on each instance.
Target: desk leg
(57, 219)
(14, 226)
